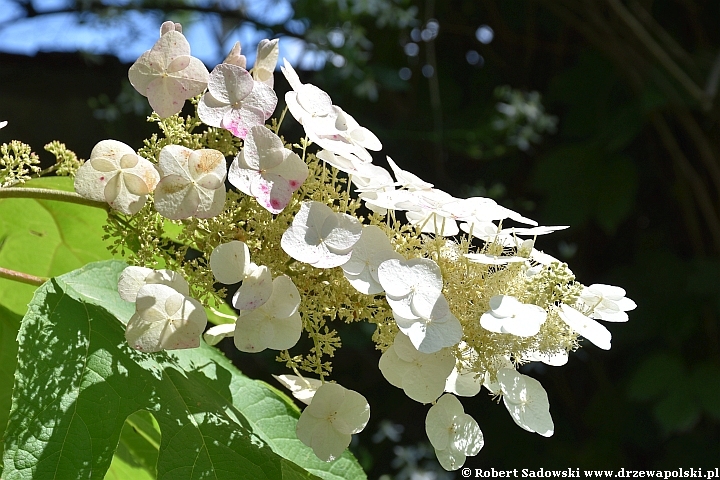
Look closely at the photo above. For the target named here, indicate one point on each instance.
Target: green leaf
(77, 382)
(9, 323)
(137, 452)
(46, 238)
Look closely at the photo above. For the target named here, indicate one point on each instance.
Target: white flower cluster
(431, 358)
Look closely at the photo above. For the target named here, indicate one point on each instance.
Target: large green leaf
(46, 238)
(43, 238)
(77, 381)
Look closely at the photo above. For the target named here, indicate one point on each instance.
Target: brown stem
(47, 194)
(22, 277)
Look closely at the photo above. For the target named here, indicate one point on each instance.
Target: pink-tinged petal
(166, 96)
(229, 83)
(178, 63)
(235, 58)
(234, 123)
(211, 111)
(208, 162)
(241, 178)
(174, 160)
(256, 289)
(292, 169)
(271, 191)
(175, 198)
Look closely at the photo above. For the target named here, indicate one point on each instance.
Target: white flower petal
(590, 329)
(229, 262)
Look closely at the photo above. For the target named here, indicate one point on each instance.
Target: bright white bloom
(230, 262)
(350, 164)
(421, 375)
(265, 61)
(326, 124)
(307, 103)
(557, 359)
(606, 302)
(407, 179)
(368, 253)
(276, 324)
(320, 237)
(489, 232)
(117, 175)
(453, 433)
(487, 259)
(266, 170)
(235, 101)
(301, 388)
(527, 401)
(413, 287)
(481, 209)
(192, 183)
(428, 208)
(165, 319)
(3, 124)
(432, 333)
(463, 380)
(340, 133)
(333, 416)
(592, 330)
(167, 75)
(508, 315)
(132, 279)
